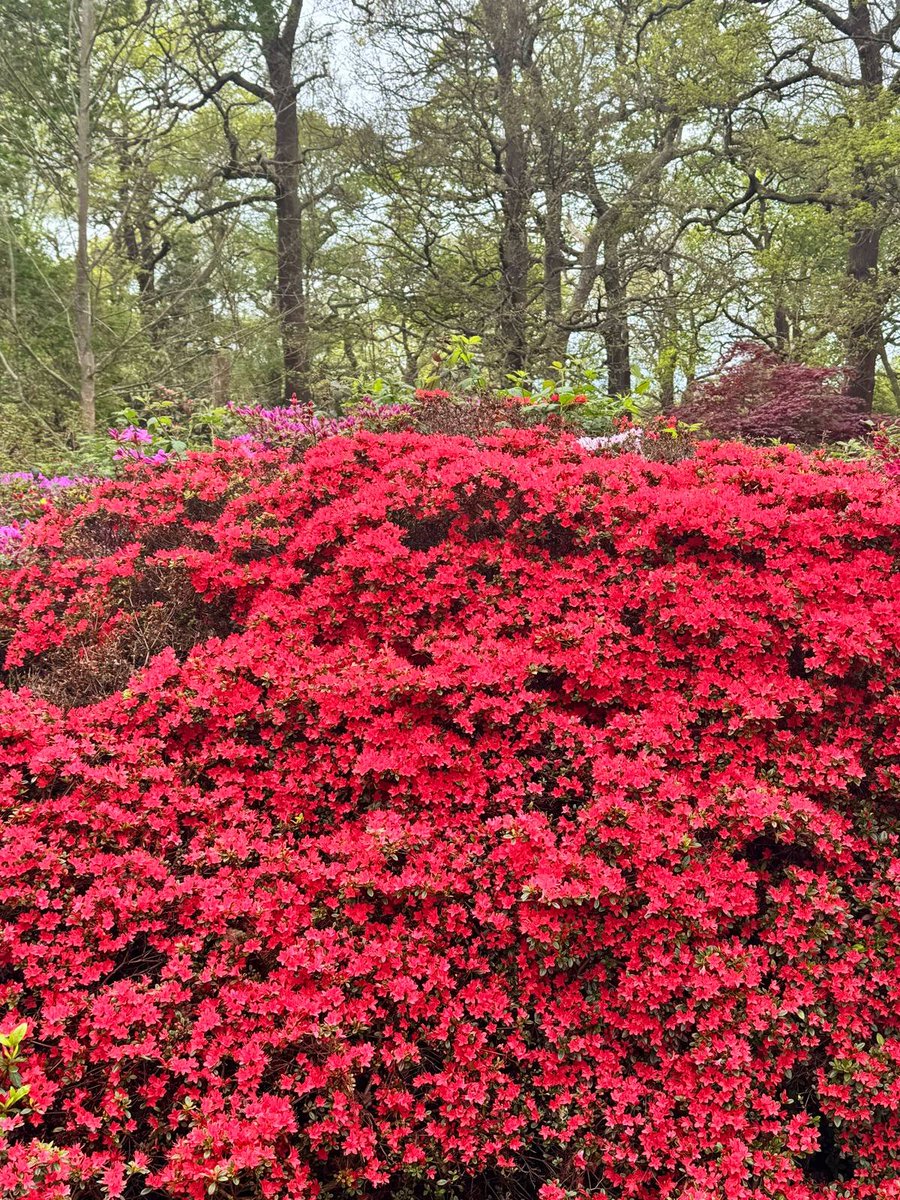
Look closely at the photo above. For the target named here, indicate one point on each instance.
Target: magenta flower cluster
(132, 433)
(296, 424)
(44, 482)
(289, 424)
(132, 454)
(26, 495)
(10, 536)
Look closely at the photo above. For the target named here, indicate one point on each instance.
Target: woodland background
(239, 200)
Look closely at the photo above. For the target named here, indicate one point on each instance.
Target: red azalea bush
(760, 396)
(434, 819)
(885, 456)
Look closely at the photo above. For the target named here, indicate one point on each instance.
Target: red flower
(428, 806)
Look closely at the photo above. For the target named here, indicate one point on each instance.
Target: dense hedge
(434, 819)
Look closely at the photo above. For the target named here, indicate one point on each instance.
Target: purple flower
(130, 454)
(64, 481)
(381, 414)
(10, 538)
(132, 433)
(288, 426)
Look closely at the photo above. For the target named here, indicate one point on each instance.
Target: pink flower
(131, 433)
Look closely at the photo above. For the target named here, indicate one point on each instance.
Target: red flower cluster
(500, 819)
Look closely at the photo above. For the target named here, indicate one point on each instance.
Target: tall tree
(822, 131)
(285, 59)
(84, 320)
(91, 191)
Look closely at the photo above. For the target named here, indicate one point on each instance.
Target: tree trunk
(615, 324)
(505, 28)
(667, 364)
(291, 289)
(890, 372)
(667, 355)
(864, 330)
(515, 258)
(557, 339)
(221, 378)
(83, 315)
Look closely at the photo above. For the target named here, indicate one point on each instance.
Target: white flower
(629, 438)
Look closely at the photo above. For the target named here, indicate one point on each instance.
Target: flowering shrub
(759, 396)
(296, 426)
(885, 450)
(291, 425)
(577, 397)
(428, 410)
(664, 439)
(24, 496)
(135, 444)
(435, 819)
(437, 411)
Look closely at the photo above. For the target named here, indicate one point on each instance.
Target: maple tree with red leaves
(758, 395)
(435, 818)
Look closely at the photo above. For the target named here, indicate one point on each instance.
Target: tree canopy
(246, 199)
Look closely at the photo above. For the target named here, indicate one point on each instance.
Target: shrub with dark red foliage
(759, 396)
(440, 412)
(498, 820)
